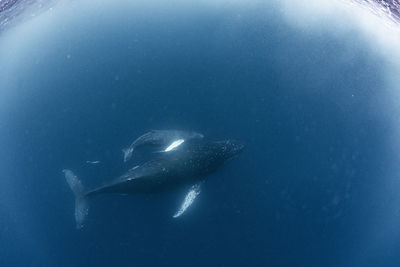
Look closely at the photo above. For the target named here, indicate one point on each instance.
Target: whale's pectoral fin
(189, 199)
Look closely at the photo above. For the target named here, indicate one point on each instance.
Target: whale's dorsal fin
(127, 153)
(191, 195)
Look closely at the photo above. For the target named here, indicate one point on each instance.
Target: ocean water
(316, 185)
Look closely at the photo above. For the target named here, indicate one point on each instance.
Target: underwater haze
(312, 94)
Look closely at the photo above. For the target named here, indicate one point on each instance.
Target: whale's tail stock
(81, 201)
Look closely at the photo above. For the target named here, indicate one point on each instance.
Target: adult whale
(173, 138)
(189, 164)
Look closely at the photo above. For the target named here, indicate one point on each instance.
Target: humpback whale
(189, 164)
(173, 138)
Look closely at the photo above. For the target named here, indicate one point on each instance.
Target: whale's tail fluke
(81, 202)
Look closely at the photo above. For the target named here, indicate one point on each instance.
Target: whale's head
(230, 148)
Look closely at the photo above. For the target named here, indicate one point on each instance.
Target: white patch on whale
(174, 145)
(93, 162)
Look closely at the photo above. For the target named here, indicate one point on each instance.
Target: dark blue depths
(306, 191)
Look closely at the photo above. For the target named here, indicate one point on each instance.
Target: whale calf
(160, 138)
(189, 164)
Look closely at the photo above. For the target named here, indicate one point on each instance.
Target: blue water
(313, 187)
